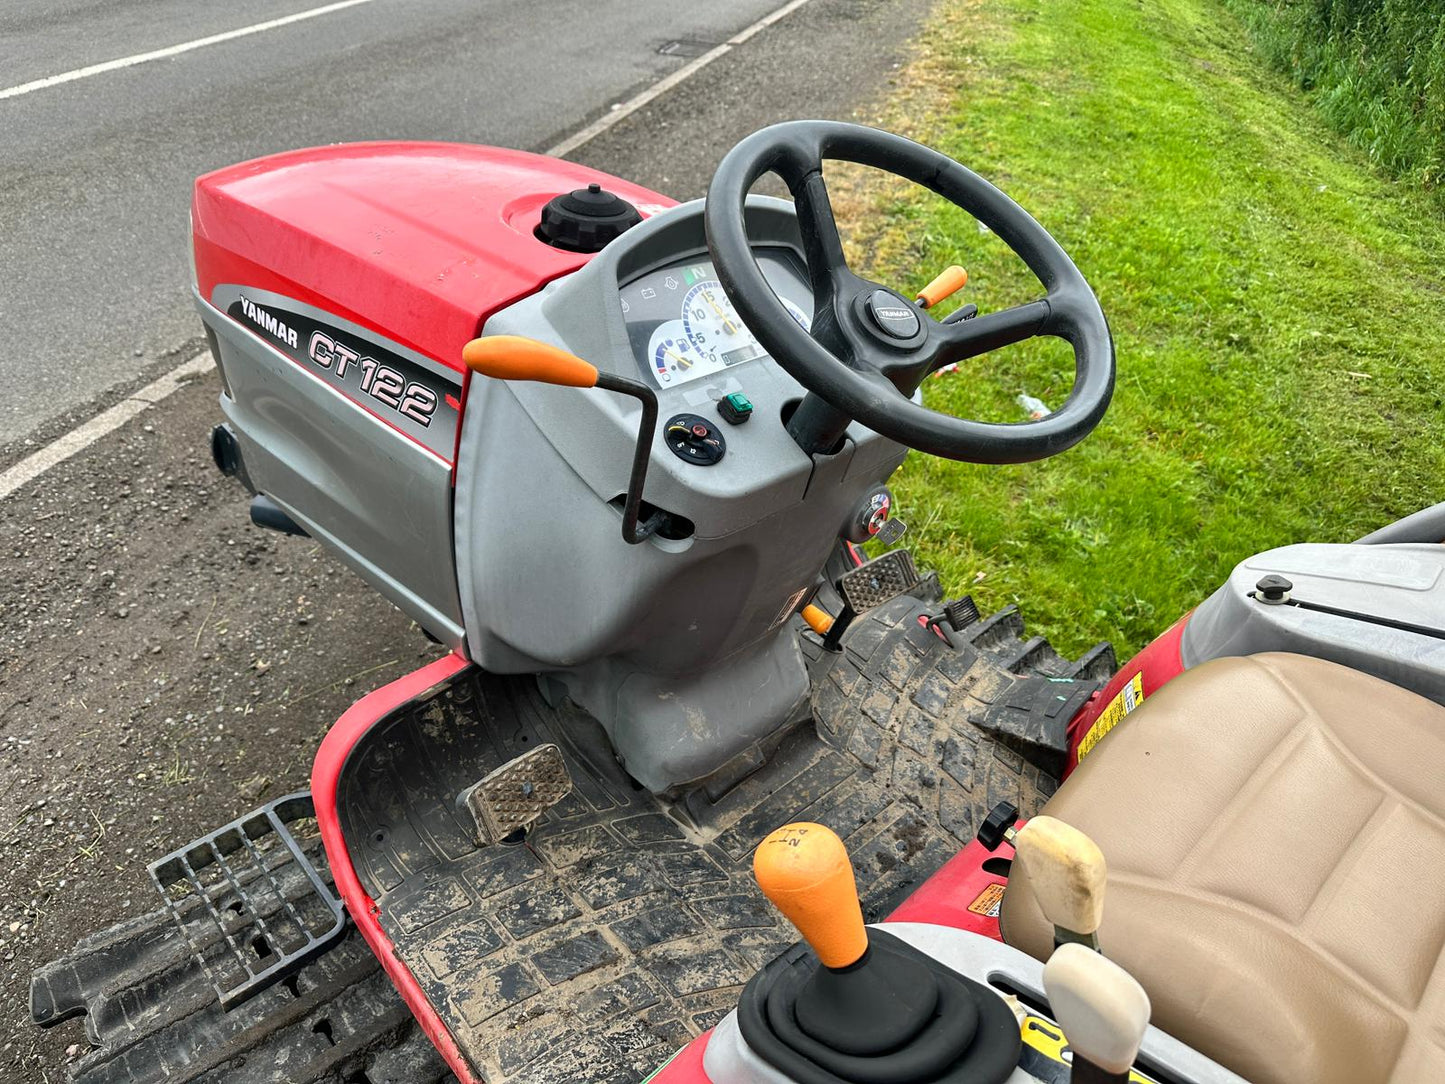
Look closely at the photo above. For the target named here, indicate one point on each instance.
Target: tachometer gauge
(683, 327)
(714, 327)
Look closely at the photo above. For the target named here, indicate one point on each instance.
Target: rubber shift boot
(969, 1037)
(879, 1004)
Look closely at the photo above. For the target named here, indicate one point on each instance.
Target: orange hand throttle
(514, 357)
(949, 281)
(804, 869)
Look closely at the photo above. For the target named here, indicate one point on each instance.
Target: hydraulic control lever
(515, 357)
(1102, 1010)
(1067, 873)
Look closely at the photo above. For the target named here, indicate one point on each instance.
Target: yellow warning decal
(1045, 1037)
(988, 901)
(1129, 698)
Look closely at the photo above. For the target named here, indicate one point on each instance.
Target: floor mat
(624, 925)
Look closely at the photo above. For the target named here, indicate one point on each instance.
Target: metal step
(152, 1016)
(250, 903)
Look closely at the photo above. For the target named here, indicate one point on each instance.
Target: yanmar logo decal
(409, 392)
(268, 323)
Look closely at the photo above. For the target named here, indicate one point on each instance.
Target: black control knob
(1273, 590)
(994, 830)
(586, 220)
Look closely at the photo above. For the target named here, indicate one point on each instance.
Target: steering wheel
(870, 347)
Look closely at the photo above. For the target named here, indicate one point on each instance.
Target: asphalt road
(95, 175)
(164, 666)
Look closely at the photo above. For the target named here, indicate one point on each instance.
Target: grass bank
(1278, 309)
(1375, 69)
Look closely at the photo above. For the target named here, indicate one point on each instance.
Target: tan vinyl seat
(1274, 828)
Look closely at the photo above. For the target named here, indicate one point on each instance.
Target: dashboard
(682, 326)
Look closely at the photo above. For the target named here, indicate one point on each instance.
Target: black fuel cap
(586, 220)
(891, 316)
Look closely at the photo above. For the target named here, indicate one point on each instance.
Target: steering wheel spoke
(828, 274)
(951, 343)
(822, 244)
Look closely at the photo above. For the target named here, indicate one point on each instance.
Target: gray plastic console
(680, 646)
(1400, 583)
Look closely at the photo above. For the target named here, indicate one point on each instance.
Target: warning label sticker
(1046, 1054)
(988, 901)
(1129, 698)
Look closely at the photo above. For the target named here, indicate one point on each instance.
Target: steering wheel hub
(892, 318)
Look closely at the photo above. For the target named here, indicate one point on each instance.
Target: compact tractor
(620, 455)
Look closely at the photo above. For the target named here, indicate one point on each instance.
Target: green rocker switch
(735, 408)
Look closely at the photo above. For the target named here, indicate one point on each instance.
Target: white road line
(662, 86)
(82, 437)
(173, 50)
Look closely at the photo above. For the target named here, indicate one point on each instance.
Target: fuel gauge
(673, 353)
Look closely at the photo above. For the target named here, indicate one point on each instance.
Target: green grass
(1277, 307)
(1375, 69)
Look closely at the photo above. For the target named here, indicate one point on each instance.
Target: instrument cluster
(682, 325)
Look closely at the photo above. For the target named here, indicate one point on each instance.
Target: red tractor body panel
(1146, 673)
(419, 242)
(325, 773)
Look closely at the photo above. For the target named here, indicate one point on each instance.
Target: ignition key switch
(694, 439)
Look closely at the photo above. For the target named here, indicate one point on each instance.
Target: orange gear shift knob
(804, 869)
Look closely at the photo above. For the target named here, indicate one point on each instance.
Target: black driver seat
(1274, 828)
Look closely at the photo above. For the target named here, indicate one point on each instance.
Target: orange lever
(515, 357)
(804, 869)
(949, 282)
(818, 619)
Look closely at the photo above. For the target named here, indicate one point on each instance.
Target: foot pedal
(517, 793)
(875, 582)
(252, 906)
(959, 614)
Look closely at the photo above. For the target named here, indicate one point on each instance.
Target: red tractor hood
(420, 242)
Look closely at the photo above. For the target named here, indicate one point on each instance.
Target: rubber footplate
(625, 924)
